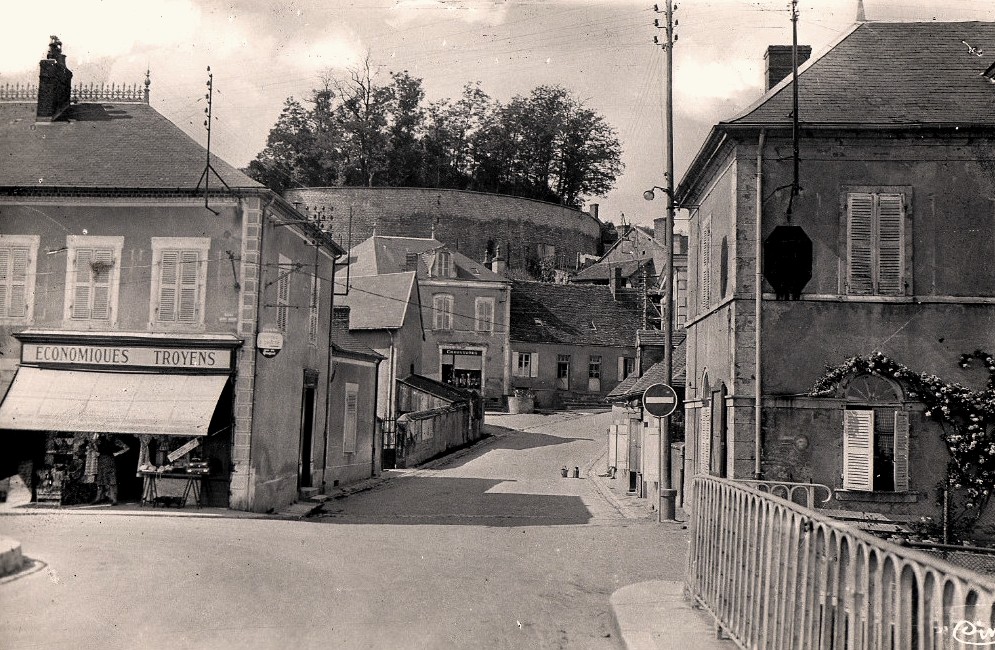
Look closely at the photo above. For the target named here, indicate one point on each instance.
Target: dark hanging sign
(787, 263)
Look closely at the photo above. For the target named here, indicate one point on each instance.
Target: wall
(464, 220)
(339, 467)
(428, 434)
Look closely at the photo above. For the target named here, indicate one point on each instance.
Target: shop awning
(113, 402)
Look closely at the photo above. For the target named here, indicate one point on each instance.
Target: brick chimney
(777, 63)
(498, 265)
(660, 230)
(55, 83)
(593, 210)
(340, 315)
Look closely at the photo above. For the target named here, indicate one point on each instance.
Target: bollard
(563, 471)
(576, 473)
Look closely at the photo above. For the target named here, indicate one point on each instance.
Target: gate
(393, 445)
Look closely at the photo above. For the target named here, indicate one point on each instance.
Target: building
(570, 344)
(882, 248)
(636, 260)
(183, 309)
(533, 236)
(464, 309)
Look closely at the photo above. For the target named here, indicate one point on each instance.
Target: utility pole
(667, 508)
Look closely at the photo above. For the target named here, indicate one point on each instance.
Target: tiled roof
(571, 314)
(344, 342)
(435, 388)
(655, 337)
(378, 255)
(105, 145)
(654, 375)
(604, 270)
(377, 301)
(891, 74)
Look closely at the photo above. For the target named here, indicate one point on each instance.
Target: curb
(11, 559)
(655, 616)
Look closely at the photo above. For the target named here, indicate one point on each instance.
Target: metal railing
(792, 491)
(777, 575)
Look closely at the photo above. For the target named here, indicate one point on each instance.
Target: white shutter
(312, 323)
(621, 368)
(351, 417)
(81, 290)
(901, 451)
(104, 258)
(860, 244)
(534, 364)
(14, 281)
(705, 439)
(168, 271)
(283, 293)
(705, 286)
(858, 450)
(5, 277)
(891, 245)
(189, 281)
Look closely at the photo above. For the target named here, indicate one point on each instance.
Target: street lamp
(667, 508)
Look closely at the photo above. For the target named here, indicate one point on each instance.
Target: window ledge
(876, 497)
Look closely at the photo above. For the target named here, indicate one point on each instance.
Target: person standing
(108, 449)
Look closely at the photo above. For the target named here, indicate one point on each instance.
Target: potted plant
(522, 401)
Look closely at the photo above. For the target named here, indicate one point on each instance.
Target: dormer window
(444, 265)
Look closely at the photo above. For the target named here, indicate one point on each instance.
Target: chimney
(498, 264)
(55, 83)
(778, 65)
(410, 261)
(340, 315)
(615, 281)
(593, 210)
(660, 230)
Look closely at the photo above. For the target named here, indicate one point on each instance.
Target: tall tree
(406, 118)
(290, 158)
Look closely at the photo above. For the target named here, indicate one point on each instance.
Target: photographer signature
(974, 633)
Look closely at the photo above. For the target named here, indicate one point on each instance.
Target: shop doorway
(307, 427)
(129, 484)
(463, 368)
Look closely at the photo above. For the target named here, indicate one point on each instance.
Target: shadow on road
(418, 500)
(509, 439)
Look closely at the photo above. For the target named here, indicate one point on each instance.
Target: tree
(406, 119)
(290, 158)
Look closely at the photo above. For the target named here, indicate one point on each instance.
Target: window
(179, 276)
(526, 364)
(442, 310)
(351, 418)
(875, 437)
(875, 231)
(284, 271)
(93, 272)
(594, 367)
(444, 265)
(626, 366)
(705, 281)
(484, 314)
(18, 256)
(312, 320)
(563, 366)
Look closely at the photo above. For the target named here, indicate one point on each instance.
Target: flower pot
(518, 404)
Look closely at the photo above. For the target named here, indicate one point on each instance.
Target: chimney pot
(55, 83)
(593, 210)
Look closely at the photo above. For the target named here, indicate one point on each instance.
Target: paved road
(492, 550)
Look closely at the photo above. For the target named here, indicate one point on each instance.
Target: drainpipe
(758, 298)
(373, 442)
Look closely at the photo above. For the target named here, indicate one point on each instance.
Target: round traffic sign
(660, 400)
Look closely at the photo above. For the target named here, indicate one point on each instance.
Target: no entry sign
(660, 400)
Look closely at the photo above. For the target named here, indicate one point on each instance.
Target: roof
(379, 255)
(346, 344)
(881, 73)
(877, 75)
(655, 374)
(378, 302)
(435, 388)
(604, 270)
(571, 314)
(656, 337)
(104, 145)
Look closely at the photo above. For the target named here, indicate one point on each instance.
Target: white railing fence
(776, 575)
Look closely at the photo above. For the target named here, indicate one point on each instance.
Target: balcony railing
(777, 575)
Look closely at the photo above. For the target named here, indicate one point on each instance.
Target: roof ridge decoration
(136, 93)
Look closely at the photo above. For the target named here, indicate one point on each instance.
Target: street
(490, 549)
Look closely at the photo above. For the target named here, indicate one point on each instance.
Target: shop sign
(53, 354)
(458, 352)
(182, 451)
(269, 343)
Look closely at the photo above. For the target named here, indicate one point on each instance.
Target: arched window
(875, 436)
(705, 426)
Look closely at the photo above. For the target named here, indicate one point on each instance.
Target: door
(594, 374)
(307, 427)
(563, 371)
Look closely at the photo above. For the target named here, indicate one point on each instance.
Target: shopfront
(463, 367)
(108, 416)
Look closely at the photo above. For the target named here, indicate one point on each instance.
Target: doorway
(307, 427)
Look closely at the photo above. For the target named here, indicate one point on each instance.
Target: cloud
(486, 12)
(702, 86)
(331, 51)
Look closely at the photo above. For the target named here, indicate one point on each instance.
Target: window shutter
(14, 283)
(706, 265)
(534, 364)
(101, 308)
(5, 277)
(705, 439)
(81, 292)
(621, 368)
(860, 244)
(312, 324)
(189, 275)
(351, 417)
(167, 285)
(283, 295)
(891, 245)
(858, 450)
(901, 451)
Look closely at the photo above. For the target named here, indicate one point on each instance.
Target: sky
(262, 52)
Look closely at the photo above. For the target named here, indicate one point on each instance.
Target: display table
(192, 485)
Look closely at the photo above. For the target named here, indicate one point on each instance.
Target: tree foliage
(358, 130)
